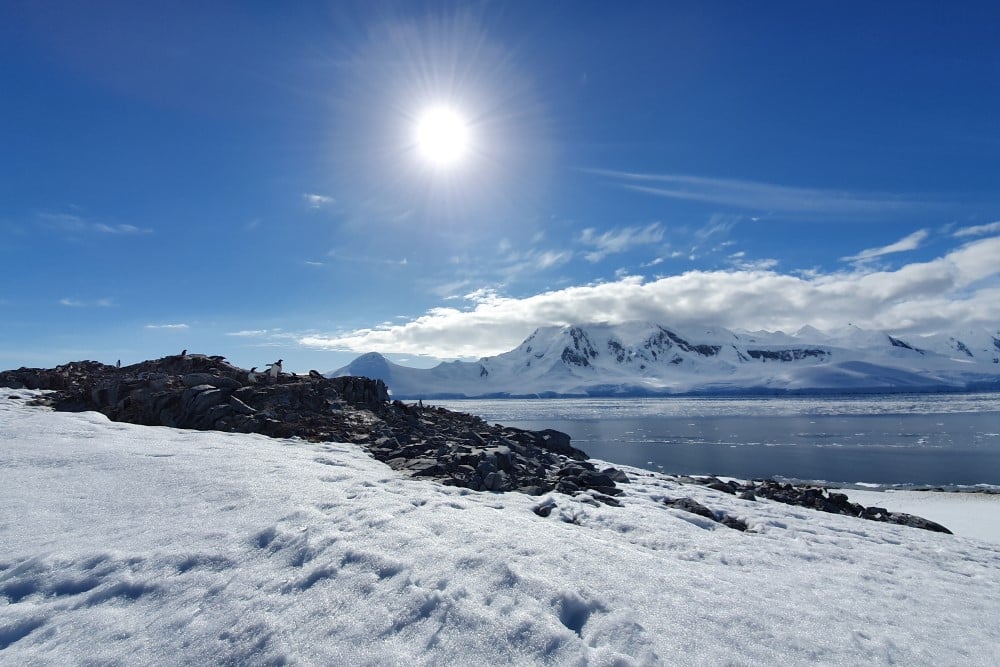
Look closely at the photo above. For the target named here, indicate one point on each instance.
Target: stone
(690, 505)
(544, 508)
(917, 522)
(220, 381)
(721, 486)
(734, 523)
(593, 479)
(617, 475)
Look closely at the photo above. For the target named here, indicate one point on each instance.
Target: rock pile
(207, 393)
(694, 507)
(815, 497)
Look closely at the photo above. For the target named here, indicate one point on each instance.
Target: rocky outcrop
(207, 393)
(814, 497)
(694, 507)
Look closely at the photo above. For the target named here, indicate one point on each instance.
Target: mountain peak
(640, 358)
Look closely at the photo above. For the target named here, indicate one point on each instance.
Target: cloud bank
(962, 288)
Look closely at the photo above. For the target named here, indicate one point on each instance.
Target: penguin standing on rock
(275, 370)
(253, 377)
(315, 375)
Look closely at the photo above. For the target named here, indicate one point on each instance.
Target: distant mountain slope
(651, 359)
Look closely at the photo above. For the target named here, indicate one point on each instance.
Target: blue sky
(242, 178)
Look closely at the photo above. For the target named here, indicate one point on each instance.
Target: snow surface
(124, 544)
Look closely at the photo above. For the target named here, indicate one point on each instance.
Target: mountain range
(645, 359)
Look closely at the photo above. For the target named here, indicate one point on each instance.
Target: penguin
(184, 353)
(275, 369)
(315, 375)
(119, 364)
(253, 377)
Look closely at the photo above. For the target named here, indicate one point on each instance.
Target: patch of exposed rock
(208, 393)
(814, 497)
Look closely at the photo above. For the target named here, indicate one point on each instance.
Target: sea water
(946, 440)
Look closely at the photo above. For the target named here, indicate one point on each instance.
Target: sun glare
(442, 136)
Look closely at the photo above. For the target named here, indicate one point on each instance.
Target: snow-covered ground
(122, 544)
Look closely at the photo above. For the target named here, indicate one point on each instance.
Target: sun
(442, 136)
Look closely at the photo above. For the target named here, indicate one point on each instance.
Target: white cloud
(317, 201)
(761, 196)
(550, 258)
(168, 326)
(69, 222)
(911, 242)
(978, 230)
(738, 260)
(79, 303)
(958, 289)
(523, 263)
(341, 256)
(619, 240)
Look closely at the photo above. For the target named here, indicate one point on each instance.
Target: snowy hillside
(644, 359)
(127, 544)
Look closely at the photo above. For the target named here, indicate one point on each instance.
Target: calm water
(939, 440)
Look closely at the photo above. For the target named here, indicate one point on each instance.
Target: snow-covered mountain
(650, 359)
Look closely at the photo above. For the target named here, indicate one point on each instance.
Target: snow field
(123, 544)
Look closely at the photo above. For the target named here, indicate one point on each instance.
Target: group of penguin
(273, 371)
(271, 375)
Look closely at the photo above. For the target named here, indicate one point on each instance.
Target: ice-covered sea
(944, 440)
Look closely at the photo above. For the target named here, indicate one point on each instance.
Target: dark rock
(690, 505)
(813, 497)
(567, 486)
(544, 508)
(607, 500)
(220, 381)
(592, 479)
(917, 522)
(694, 507)
(617, 475)
(732, 522)
(721, 486)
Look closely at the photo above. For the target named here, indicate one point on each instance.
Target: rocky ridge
(207, 393)
(814, 497)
